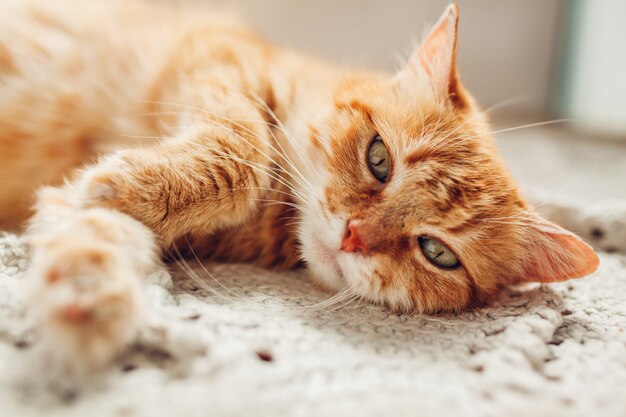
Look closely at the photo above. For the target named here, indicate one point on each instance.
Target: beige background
(507, 47)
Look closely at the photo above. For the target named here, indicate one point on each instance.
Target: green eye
(378, 159)
(438, 254)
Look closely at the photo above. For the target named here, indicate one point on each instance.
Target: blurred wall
(594, 83)
(507, 47)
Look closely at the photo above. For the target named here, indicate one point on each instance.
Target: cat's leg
(94, 239)
(208, 179)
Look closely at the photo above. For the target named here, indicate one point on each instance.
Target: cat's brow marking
(420, 154)
(357, 106)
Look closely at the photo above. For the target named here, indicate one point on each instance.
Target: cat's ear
(434, 61)
(554, 254)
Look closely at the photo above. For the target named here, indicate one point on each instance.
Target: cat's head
(415, 210)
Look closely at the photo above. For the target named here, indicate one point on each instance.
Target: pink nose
(352, 241)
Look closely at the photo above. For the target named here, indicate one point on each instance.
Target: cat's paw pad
(86, 298)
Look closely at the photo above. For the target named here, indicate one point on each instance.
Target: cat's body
(218, 140)
(61, 115)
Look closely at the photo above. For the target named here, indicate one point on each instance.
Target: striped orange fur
(129, 130)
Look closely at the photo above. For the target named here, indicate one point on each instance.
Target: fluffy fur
(191, 132)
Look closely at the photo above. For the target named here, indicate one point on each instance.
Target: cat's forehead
(398, 113)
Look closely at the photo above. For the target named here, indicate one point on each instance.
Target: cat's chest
(268, 239)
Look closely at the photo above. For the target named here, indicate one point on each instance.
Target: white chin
(323, 265)
(320, 258)
(320, 239)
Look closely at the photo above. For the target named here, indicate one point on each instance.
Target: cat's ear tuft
(554, 254)
(434, 61)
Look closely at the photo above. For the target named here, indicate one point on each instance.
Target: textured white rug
(255, 344)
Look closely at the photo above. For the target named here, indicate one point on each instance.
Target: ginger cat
(143, 126)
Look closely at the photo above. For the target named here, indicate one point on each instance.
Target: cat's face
(415, 209)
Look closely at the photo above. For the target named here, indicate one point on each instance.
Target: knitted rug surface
(250, 342)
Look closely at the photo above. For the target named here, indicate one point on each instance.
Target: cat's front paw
(86, 298)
